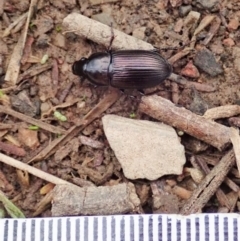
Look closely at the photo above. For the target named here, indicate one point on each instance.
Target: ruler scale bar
(156, 227)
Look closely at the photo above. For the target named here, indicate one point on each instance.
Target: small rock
(184, 10)
(176, 3)
(43, 41)
(22, 103)
(190, 70)
(198, 105)
(139, 33)
(206, 61)
(233, 24)
(45, 107)
(208, 4)
(144, 149)
(228, 42)
(28, 137)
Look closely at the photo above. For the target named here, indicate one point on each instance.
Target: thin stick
(28, 119)
(209, 185)
(14, 64)
(36, 172)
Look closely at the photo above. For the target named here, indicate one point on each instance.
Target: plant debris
(51, 128)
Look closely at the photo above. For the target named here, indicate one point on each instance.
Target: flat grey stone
(144, 149)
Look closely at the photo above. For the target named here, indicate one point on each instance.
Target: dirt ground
(46, 89)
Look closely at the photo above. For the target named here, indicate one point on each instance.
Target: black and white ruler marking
(200, 227)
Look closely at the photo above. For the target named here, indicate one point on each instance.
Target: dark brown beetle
(124, 69)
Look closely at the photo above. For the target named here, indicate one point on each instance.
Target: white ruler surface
(200, 227)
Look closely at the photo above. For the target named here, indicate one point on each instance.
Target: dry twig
(28, 119)
(209, 185)
(14, 64)
(164, 110)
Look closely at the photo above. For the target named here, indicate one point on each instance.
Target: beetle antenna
(112, 38)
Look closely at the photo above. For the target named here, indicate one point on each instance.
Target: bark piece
(222, 112)
(235, 139)
(164, 110)
(209, 185)
(101, 33)
(71, 200)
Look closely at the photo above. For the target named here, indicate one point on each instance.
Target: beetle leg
(141, 92)
(82, 80)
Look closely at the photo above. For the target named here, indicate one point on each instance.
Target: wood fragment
(5, 126)
(88, 141)
(199, 158)
(204, 23)
(175, 92)
(95, 176)
(235, 139)
(101, 33)
(233, 198)
(33, 71)
(213, 30)
(55, 73)
(164, 110)
(222, 112)
(27, 49)
(190, 84)
(43, 204)
(15, 60)
(181, 192)
(28, 119)
(18, 27)
(179, 55)
(65, 92)
(7, 31)
(104, 200)
(1, 6)
(12, 149)
(219, 193)
(209, 185)
(231, 184)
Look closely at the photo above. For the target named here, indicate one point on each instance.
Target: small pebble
(190, 70)
(233, 24)
(208, 4)
(184, 10)
(228, 42)
(139, 33)
(206, 61)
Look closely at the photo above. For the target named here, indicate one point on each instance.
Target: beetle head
(79, 67)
